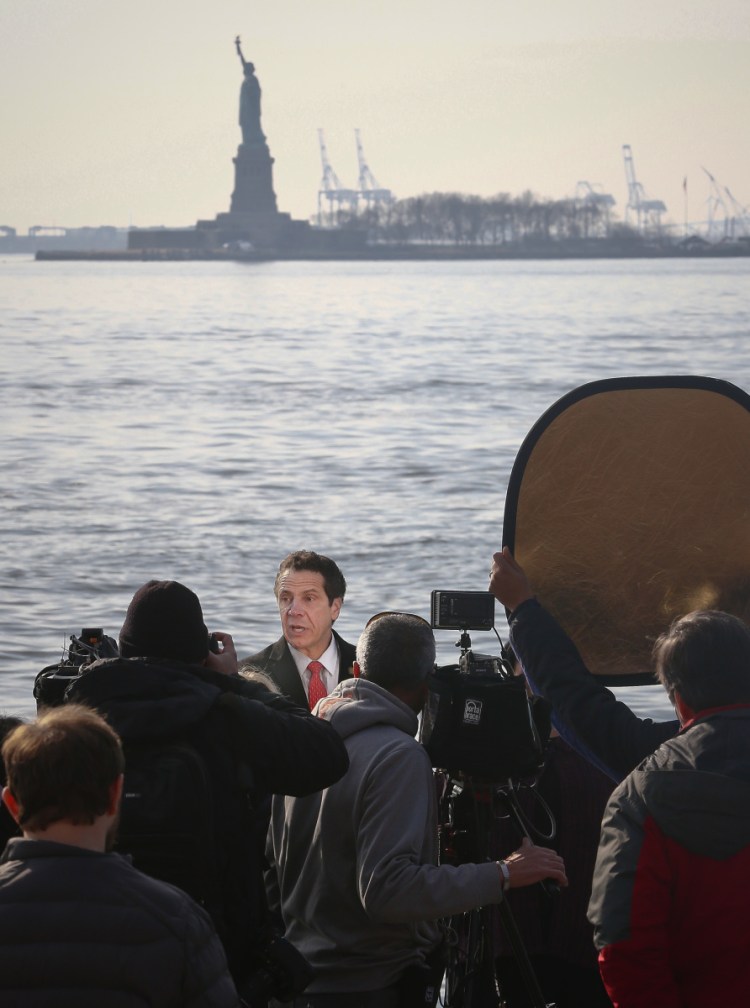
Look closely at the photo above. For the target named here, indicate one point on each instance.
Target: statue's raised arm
(238, 47)
(249, 102)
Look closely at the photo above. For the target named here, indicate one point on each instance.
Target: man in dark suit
(310, 658)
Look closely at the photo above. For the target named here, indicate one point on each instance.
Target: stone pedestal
(263, 229)
(253, 222)
(253, 180)
(253, 215)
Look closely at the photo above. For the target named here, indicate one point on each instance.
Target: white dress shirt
(329, 660)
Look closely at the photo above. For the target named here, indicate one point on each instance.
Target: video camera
(51, 683)
(486, 738)
(479, 720)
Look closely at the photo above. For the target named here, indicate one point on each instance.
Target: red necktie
(316, 690)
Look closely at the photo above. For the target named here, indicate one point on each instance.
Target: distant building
(41, 238)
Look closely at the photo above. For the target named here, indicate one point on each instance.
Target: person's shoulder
(270, 654)
(161, 913)
(109, 874)
(146, 678)
(393, 737)
(347, 651)
(404, 757)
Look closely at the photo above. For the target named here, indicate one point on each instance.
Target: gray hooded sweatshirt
(356, 873)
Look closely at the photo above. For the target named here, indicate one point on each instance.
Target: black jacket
(277, 662)
(254, 743)
(86, 929)
(585, 713)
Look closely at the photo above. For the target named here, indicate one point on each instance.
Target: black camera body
(51, 683)
(479, 720)
(471, 663)
(484, 725)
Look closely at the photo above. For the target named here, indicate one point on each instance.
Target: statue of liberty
(252, 135)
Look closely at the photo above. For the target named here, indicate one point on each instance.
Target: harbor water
(198, 420)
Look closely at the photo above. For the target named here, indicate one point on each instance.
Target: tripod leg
(519, 951)
(470, 976)
(486, 986)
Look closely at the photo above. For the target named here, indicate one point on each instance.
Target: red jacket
(671, 895)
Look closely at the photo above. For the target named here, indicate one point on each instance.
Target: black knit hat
(164, 620)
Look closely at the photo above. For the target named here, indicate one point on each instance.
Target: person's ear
(355, 669)
(10, 803)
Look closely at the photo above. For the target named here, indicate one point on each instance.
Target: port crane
(369, 188)
(647, 211)
(727, 219)
(741, 217)
(331, 188)
(598, 204)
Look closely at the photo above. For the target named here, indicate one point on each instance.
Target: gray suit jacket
(277, 662)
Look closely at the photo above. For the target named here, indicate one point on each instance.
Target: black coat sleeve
(289, 750)
(586, 713)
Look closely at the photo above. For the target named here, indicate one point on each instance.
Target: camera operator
(167, 684)
(355, 867)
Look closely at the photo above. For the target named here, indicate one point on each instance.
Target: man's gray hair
(396, 649)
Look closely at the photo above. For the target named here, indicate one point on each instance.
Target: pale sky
(126, 113)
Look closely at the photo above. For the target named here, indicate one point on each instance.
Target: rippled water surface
(198, 420)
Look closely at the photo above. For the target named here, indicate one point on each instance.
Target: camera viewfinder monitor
(463, 610)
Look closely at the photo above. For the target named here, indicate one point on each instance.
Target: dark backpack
(167, 817)
(191, 813)
(188, 817)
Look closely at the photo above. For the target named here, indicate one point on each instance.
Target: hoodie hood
(356, 704)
